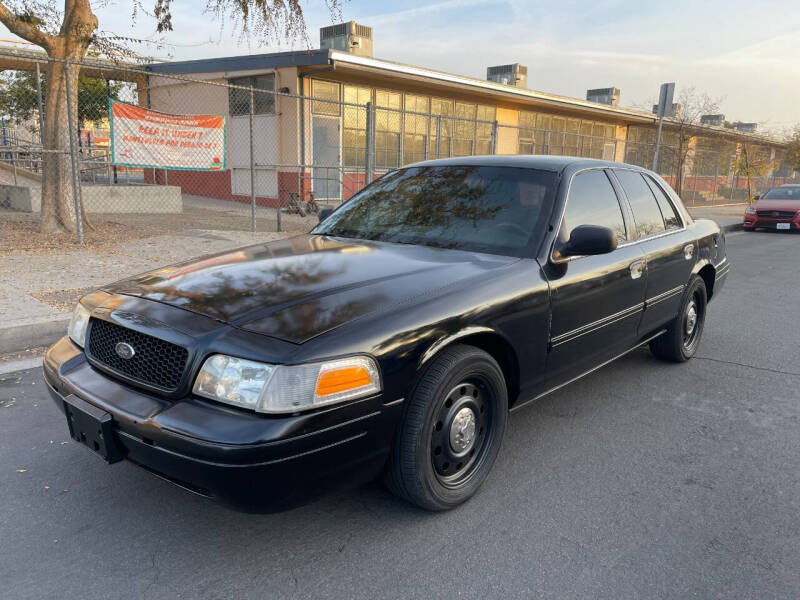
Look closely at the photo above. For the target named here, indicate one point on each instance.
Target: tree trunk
(58, 198)
(58, 202)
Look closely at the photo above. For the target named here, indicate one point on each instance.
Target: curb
(21, 337)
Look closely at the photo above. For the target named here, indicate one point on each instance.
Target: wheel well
(503, 353)
(708, 273)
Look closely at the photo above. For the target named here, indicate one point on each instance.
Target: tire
(451, 431)
(682, 338)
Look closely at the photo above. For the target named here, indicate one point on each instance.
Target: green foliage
(18, 96)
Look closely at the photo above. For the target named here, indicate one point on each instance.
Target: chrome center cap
(462, 430)
(691, 319)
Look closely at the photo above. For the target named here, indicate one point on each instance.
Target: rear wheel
(679, 343)
(452, 430)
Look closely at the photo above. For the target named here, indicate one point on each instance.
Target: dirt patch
(23, 235)
(63, 300)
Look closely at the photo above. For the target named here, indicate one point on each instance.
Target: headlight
(78, 324)
(751, 210)
(286, 388)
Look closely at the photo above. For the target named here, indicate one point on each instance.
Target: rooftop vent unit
(348, 37)
(715, 120)
(608, 96)
(746, 127)
(516, 75)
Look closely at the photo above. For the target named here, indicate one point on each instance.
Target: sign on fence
(146, 138)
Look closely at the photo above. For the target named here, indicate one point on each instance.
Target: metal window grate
(155, 362)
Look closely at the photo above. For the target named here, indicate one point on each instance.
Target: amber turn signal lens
(342, 380)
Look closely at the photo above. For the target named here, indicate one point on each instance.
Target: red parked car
(779, 208)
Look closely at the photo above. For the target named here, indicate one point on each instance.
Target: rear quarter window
(671, 218)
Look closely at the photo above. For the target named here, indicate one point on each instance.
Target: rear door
(668, 247)
(596, 301)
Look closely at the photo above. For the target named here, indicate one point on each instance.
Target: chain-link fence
(161, 151)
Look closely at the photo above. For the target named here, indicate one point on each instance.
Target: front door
(326, 157)
(596, 301)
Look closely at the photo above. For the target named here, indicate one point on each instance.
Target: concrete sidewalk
(729, 216)
(39, 289)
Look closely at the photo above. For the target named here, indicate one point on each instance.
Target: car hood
(297, 288)
(782, 205)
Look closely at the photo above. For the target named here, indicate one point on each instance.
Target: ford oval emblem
(124, 350)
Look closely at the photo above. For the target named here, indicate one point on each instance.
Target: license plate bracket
(91, 427)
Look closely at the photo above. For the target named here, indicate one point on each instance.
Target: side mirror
(589, 240)
(756, 197)
(324, 213)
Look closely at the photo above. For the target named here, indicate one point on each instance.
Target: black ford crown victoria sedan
(395, 338)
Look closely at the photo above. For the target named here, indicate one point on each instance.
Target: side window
(667, 209)
(646, 212)
(593, 201)
(263, 95)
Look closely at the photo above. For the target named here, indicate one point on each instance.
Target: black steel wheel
(452, 430)
(679, 343)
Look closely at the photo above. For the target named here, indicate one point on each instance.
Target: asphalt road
(644, 480)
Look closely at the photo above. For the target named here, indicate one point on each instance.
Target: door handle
(637, 268)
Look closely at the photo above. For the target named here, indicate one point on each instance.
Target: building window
(440, 148)
(263, 95)
(527, 133)
(549, 134)
(417, 122)
(354, 127)
(388, 125)
(464, 129)
(483, 129)
(325, 90)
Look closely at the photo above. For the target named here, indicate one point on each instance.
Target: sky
(742, 52)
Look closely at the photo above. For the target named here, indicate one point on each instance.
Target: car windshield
(479, 208)
(783, 193)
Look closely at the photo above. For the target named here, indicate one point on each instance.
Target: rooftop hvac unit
(515, 74)
(347, 37)
(608, 96)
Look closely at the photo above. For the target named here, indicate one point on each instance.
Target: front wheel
(452, 430)
(679, 343)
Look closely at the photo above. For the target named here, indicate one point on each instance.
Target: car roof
(530, 161)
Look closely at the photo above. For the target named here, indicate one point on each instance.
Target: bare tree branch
(24, 29)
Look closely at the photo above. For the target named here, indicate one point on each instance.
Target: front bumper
(753, 221)
(250, 462)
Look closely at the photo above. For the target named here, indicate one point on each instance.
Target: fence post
(438, 136)
(494, 137)
(369, 168)
(73, 154)
(39, 100)
(252, 163)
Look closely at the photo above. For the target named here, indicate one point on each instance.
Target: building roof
(274, 60)
(336, 58)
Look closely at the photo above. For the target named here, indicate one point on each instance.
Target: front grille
(777, 214)
(155, 362)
